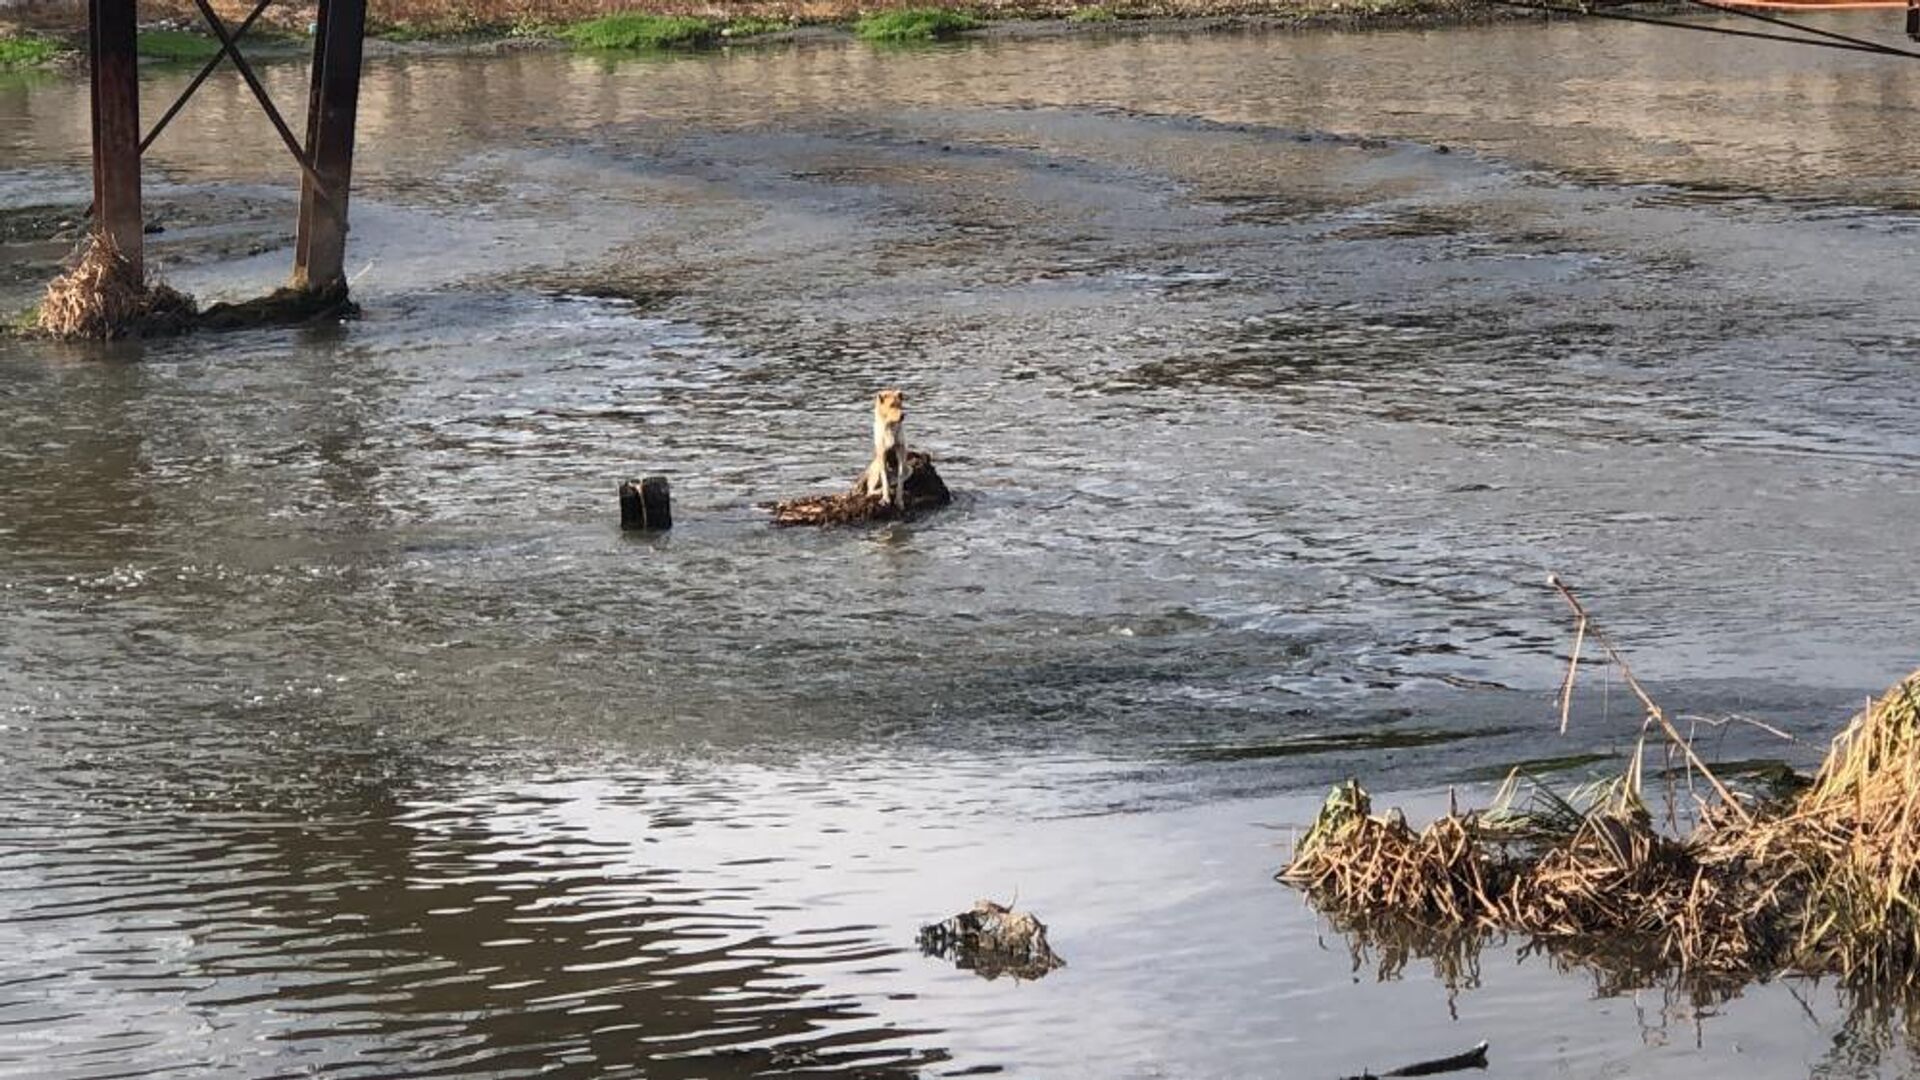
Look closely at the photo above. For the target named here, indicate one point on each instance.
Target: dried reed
(1824, 883)
(104, 297)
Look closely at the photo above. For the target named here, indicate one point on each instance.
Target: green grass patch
(404, 33)
(27, 51)
(751, 26)
(1093, 13)
(914, 24)
(176, 45)
(636, 32)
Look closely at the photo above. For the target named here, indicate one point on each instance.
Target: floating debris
(102, 298)
(991, 941)
(857, 505)
(285, 306)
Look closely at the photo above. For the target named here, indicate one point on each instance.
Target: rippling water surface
(341, 731)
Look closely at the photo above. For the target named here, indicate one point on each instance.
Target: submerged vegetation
(22, 323)
(1821, 881)
(914, 24)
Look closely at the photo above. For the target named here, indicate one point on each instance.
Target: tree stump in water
(646, 504)
(923, 490)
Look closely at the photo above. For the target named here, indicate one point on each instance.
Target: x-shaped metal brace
(230, 47)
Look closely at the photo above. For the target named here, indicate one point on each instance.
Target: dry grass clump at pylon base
(1825, 882)
(103, 297)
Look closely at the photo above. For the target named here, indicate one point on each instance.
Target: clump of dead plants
(104, 297)
(1822, 882)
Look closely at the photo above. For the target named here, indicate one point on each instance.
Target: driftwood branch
(1655, 714)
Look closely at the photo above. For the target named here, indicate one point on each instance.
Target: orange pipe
(1817, 5)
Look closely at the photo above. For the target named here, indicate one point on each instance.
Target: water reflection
(1867, 1032)
(339, 900)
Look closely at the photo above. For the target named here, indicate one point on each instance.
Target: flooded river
(341, 731)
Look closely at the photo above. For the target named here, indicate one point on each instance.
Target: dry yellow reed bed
(1825, 882)
(103, 297)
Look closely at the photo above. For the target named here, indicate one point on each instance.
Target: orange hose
(1817, 5)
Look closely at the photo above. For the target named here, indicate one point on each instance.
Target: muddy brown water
(341, 733)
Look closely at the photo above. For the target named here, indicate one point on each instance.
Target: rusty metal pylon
(325, 161)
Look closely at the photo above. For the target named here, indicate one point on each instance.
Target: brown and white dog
(887, 474)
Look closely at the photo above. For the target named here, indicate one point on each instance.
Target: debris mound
(857, 505)
(103, 297)
(991, 941)
(285, 306)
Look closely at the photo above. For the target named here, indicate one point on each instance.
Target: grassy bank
(28, 50)
(914, 24)
(636, 31)
(177, 45)
(39, 34)
(22, 48)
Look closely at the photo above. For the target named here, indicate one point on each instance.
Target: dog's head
(889, 407)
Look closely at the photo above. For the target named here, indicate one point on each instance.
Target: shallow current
(342, 732)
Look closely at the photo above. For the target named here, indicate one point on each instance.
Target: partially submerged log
(924, 491)
(993, 940)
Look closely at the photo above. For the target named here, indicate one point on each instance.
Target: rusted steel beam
(114, 65)
(187, 94)
(320, 252)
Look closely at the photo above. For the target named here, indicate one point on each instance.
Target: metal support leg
(321, 251)
(114, 64)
